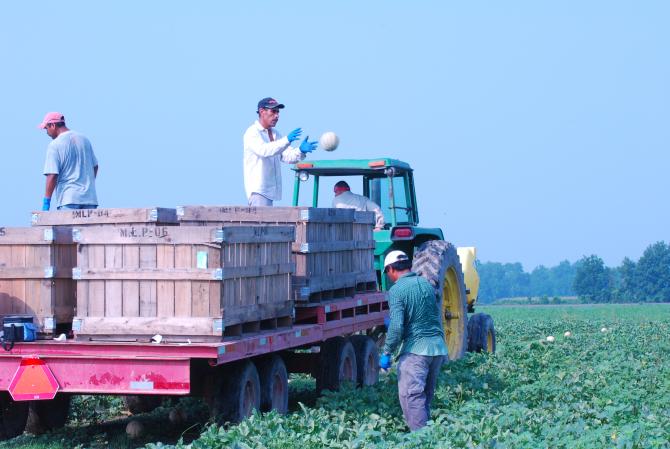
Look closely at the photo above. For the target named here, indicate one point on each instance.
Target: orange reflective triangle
(34, 380)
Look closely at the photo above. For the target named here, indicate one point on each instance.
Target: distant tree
(563, 277)
(541, 281)
(517, 279)
(593, 281)
(628, 285)
(652, 279)
(499, 280)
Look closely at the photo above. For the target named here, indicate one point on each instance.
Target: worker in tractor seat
(265, 149)
(416, 328)
(70, 167)
(346, 199)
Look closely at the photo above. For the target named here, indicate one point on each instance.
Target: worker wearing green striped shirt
(416, 328)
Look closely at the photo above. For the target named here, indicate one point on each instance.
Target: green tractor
(451, 270)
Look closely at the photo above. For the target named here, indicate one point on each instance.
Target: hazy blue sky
(539, 131)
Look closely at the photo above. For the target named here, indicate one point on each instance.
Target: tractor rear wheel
(437, 261)
(481, 333)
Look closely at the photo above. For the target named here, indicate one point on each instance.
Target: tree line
(647, 280)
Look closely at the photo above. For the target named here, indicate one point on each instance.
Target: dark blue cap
(269, 103)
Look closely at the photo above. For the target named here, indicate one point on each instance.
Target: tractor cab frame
(387, 182)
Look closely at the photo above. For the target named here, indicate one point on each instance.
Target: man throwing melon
(265, 149)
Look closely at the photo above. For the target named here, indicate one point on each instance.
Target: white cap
(393, 257)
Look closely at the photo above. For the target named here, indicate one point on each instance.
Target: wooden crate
(86, 217)
(36, 276)
(333, 249)
(189, 281)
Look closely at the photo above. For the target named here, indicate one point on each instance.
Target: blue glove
(387, 322)
(46, 203)
(294, 135)
(307, 147)
(385, 361)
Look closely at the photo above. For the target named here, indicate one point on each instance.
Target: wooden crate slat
(160, 215)
(258, 234)
(333, 246)
(43, 272)
(146, 234)
(145, 274)
(165, 289)
(35, 236)
(103, 325)
(186, 214)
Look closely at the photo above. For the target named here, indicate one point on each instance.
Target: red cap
(51, 117)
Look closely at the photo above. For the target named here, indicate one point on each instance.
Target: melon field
(606, 384)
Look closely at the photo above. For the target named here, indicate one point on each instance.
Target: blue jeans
(77, 206)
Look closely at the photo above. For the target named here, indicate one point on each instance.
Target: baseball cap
(51, 117)
(393, 257)
(269, 103)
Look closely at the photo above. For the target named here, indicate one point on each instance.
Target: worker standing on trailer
(414, 323)
(70, 167)
(264, 151)
(346, 199)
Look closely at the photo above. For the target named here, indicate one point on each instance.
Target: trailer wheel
(137, 404)
(44, 416)
(274, 384)
(481, 333)
(238, 393)
(378, 335)
(13, 416)
(437, 261)
(367, 360)
(337, 364)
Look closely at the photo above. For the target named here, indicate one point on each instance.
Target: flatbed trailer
(234, 376)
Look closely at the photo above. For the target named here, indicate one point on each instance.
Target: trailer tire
(238, 393)
(481, 333)
(13, 416)
(337, 364)
(274, 384)
(438, 262)
(44, 416)
(137, 404)
(367, 360)
(378, 335)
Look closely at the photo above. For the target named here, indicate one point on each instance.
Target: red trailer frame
(132, 368)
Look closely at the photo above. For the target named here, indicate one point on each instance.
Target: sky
(538, 131)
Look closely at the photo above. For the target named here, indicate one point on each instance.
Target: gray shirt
(70, 156)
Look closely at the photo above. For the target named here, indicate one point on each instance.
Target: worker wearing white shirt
(264, 151)
(345, 199)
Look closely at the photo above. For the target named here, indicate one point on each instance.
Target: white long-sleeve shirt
(349, 200)
(263, 158)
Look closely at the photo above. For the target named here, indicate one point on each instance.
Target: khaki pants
(258, 200)
(417, 377)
